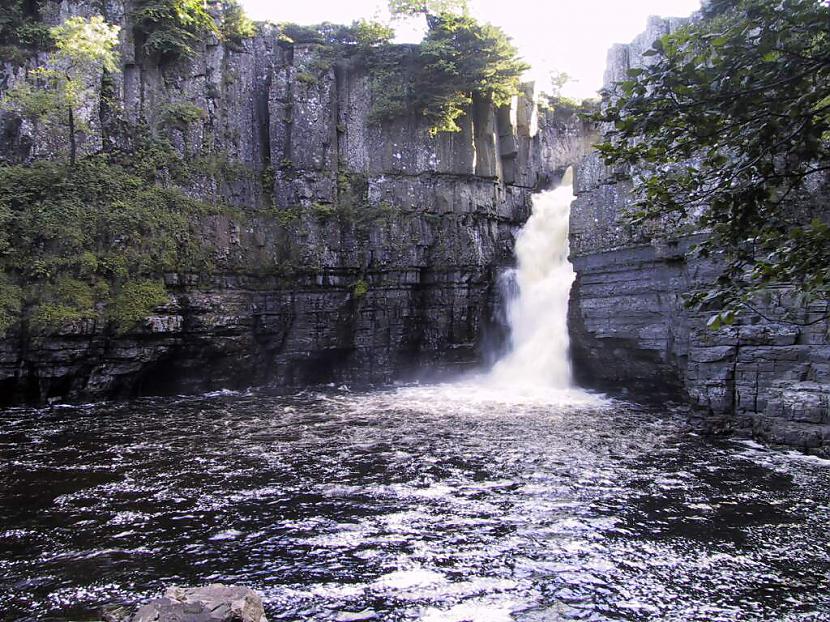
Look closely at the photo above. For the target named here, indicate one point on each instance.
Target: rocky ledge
(211, 603)
(353, 251)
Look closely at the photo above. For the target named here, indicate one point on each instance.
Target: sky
(571, 36)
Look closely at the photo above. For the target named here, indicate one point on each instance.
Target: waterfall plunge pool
(448, 502)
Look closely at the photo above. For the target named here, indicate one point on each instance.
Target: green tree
(236, 25)
(461, 58)
(411, 8)
(85, 50)
(171, 29)
(727, 129)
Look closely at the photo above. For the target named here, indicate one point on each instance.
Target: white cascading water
(538, 314)
(537, 371)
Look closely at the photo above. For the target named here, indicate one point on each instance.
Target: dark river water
(445, 503)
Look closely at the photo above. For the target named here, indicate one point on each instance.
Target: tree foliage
(86, 46)
(343, 40)
(172, 29)
(410, 8)
(458, 59)
(728, 127)
(236, 25)
(20, 27)
(55, 93)
(461, 58)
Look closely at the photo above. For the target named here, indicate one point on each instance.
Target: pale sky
(572, 36)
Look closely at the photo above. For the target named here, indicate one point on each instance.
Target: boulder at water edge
(211, 603)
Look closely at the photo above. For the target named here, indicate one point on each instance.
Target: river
(416, 503)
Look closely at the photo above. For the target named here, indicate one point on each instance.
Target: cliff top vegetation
(458, 59)
(88, 237)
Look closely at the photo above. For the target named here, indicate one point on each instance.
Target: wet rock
(211, 603)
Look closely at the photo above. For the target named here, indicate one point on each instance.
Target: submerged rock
(210, 603)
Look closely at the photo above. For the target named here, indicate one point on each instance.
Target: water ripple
(453, 502)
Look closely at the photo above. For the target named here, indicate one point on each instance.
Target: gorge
(352, 251)
(260, 331)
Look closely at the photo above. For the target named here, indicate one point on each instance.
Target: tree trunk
(73, 148)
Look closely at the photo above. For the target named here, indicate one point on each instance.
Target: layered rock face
(368, 251)
(630, 328)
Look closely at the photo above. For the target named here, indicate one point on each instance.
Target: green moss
(309, 79)
(49, 317)
(324, 211)
(220, 168)
(322, 64)
(60, 302)
(11, 302)
(134, 302)
(181, 115)
(71, 236)
(287, 216)
(360, 289)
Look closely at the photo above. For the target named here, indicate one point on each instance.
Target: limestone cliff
(363, 251)
(631, 329)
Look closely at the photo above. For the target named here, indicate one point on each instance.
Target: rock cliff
(630, 328)
(362, 252)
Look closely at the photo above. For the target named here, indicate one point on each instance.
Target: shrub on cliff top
(344, 40)
(458, 59)
(461, 58)
(172, 29)
(430, 8)
(235, 25)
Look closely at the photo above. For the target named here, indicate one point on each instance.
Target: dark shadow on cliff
(620, 367)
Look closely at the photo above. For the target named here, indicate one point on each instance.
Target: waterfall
(537, 313)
